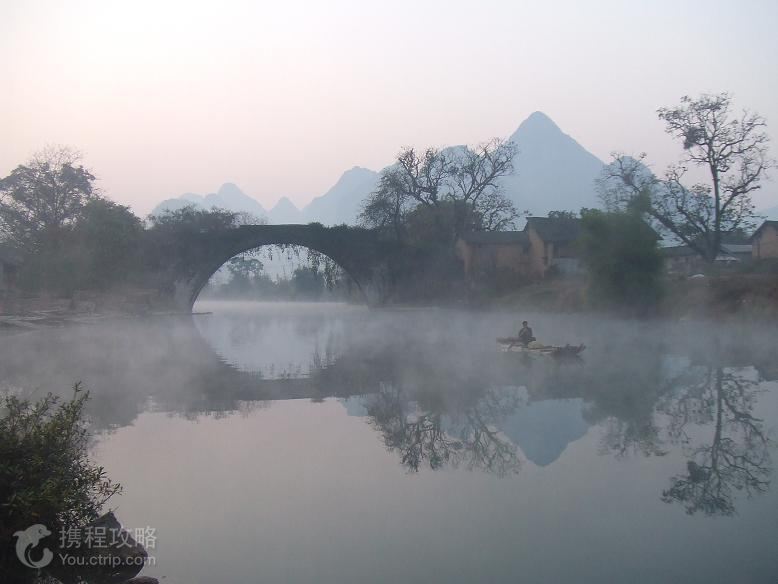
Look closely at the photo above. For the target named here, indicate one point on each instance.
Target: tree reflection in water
(643, 409)
(737, 457)
(466, 437)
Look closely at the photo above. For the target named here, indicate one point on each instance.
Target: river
(330, 443)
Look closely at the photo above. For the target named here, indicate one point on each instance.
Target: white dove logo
(29, 539)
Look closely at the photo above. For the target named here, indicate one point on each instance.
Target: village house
(553, 245)
(735, 248)
(485, 253)
(764, 241)
(544, 245)
(681, 260)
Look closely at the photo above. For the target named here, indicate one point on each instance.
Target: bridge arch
(282, 252)
(357, 251)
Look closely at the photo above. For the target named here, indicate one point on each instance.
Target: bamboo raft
(512, 344)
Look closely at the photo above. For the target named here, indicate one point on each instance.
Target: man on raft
(525, 334)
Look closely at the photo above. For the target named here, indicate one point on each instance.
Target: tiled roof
(677, 251)
(736, 247)
(556, 229)
(496, 237)
(773, 224)
(684, 250)
(725, 237)
(734, 238)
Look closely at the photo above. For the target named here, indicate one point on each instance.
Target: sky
(281, 98)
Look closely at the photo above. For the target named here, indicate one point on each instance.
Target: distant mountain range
(228, 197)
(340, 204)
(551, 172)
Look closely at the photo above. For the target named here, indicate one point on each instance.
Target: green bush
(46, 475)
(622, 255)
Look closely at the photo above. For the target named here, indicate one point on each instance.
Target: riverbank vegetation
(46, 475)
(65, 232)
(623, 261)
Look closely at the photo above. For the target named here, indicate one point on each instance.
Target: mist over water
(292, 442)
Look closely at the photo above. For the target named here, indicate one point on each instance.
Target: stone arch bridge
(360, 253)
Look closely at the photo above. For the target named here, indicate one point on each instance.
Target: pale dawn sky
(282, 97)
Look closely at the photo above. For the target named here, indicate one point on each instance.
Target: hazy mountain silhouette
(173, 205)
(228, 197)
(551, 172)
(543, 429)
(342, 202)
(285, 211)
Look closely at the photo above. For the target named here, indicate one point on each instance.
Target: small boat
(512, 344)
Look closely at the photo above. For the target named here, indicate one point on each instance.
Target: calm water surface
(329, 443)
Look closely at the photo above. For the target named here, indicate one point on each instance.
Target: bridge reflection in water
(440, 402)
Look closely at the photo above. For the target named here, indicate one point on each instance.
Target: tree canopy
(622, 255)
(42, 197)
(68, 235)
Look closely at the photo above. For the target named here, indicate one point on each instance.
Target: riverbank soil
(33, 312)
(749, 296)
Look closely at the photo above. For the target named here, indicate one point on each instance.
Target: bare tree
(423, 176)
(624, 180)
(476, 171)
(475, 182)
(465, 179)
(387, 206)
(687, 213)
(732, 150)
(496, 212)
